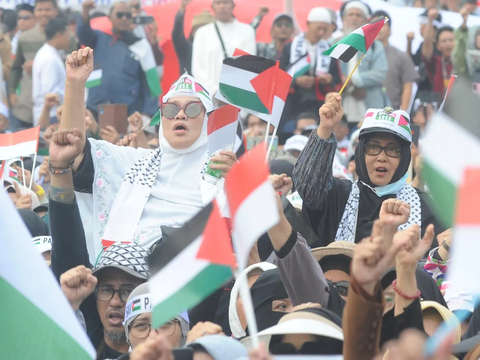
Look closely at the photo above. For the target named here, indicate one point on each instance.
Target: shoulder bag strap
(221, 41)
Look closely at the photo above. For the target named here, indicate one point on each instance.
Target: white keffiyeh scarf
(348, 224)
(300, 49)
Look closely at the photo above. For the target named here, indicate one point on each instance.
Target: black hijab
(267, 288)
(370, 204)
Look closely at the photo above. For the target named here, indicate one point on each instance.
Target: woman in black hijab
(340, 210)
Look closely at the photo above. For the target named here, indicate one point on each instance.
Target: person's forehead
(24, 13)
(183, 99)
(121, 6)
(144, 317)
(306, 120)
(383, 137)
(445, 35)
(318, 24)
(44, 4)
(354, 11)
(112, 275)
(252, 119)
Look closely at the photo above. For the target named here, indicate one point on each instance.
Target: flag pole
(23, 171)
(349, 76)
(247, 303)
(266, 132)
(33, 168)
(270, 145)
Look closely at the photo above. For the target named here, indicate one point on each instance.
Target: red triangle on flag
(468, 198)
(371, 31)
(402, 121)
(216, 245)
(282, 84)
(222, 117)
(245, 176)
(240, 52)
(262, 83)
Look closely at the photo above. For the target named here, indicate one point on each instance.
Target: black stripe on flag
(173, 244)
(463, 106)
(239, 146)
(250, 63)
(348, 54)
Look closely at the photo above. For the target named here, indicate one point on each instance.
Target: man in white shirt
(209, 52)
(48, 72)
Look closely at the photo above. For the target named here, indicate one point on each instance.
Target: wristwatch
(445, 245)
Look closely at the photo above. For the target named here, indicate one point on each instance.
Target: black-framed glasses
(286, 23)
(106, 293)
(192, 109)
(392, 151)
(308, 348)
(124, 14)
(342, 287)
(26, 17)
(141, 329)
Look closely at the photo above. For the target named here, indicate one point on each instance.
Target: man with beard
(119, 270)
(122, 79)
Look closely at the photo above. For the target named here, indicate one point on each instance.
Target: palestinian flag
(144, 53)
(252, 202)
(20, 143)
(95, 79)
(156, 119)
(239, 146)
(222, 128)
(256, 85)
(300, 67)
(33, 305)
(192, 263)
(451, 83)
(452, 145)
(359, 40)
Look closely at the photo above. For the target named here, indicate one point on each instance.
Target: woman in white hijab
(126, 194)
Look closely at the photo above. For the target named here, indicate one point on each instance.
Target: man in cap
(306, 121)
(216, 41)
(365, 88)
(322, 76)
(401, 70)
(281, 32)
(182, 45)
(25, 21)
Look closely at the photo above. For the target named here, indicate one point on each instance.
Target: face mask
(390, 189)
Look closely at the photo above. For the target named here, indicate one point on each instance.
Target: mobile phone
(143, 20)
(183, 354)
(415, 133)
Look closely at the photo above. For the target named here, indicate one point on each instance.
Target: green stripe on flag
(242, 98)
(156, 119)
(444, 193)
(46, 340)
(153, 82)
(42, 152)
(93, 83)
(203, 284)
(301, 71)
(355, 40)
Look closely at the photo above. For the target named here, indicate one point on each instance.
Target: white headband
(357, 5)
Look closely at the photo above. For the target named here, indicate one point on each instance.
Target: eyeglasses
(287, 24)
(342, 287)
(141, 329)
(26, 17)
(391, 150)
(106, 293)
(192, 109)
(126, 15)
(308, 348)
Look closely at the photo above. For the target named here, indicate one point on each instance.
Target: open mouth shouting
(180, 129)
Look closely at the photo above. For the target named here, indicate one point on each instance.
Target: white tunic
(208, 56)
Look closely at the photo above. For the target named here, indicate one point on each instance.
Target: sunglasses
(342, 287)
(308, 348)
(126, 15)
(192, 109)
(26, 17)
(287, 24)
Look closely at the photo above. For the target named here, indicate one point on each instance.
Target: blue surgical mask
(390, 189)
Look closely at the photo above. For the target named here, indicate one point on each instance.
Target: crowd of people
(355, 266)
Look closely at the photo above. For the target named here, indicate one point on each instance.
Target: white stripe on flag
(143, 50)
(22, 149)
(238, 78)
(464, 254)
(95, 75)
(34, 281)
(252, 218)
(222, 137)
(339, 50)
(277, 110)
(443, 130)
(174, 276)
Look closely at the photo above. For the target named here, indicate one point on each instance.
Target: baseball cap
(282, 16)
(296, 142)
(389, 121)
(130, 258)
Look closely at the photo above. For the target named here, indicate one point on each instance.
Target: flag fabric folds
(33, 305)
(144, 53)
(359, 40)
(190, 264)
(252, 201)
(222, 128)
(20, 143)
(95, 79)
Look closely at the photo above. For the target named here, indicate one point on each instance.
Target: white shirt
(48, 76)
(208, 56)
